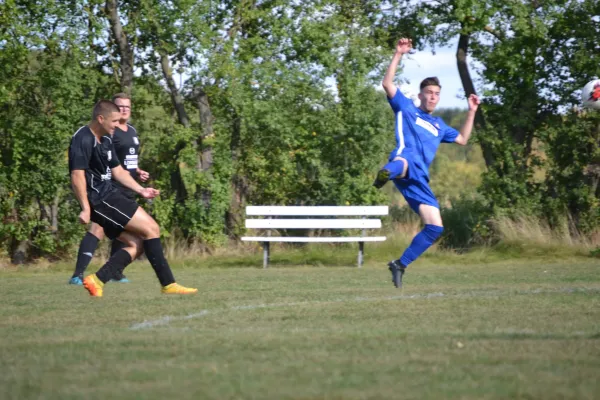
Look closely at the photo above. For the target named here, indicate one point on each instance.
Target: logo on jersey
(109, 155)
(437, 125)
(131, 162)
(131, 150)
(108, 175)
(424, 124)
(136, 141)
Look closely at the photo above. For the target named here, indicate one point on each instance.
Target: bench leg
(361, 251)
(266, 254)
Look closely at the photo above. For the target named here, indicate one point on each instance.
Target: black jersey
(127, 145)
(96, 159)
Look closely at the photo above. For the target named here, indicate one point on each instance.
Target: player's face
(109, 122)
(125, 107)
(430, 97)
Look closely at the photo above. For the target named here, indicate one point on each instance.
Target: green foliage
(45, 92)
(573, 176)
(467, 224)
(294, 116)
(533, 59)
(456, 170)
(528, 92)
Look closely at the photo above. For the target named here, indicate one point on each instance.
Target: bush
(466, 224)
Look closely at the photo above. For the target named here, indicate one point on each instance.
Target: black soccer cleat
(397, 270)
(381, 179)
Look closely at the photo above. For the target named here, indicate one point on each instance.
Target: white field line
(166, 320)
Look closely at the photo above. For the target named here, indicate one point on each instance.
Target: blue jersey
(418, 134)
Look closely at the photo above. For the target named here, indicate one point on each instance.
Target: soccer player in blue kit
(418, 135)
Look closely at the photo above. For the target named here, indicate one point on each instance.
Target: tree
(48, 79)
(534, 57)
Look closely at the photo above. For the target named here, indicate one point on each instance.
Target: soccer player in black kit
(127, 145)
(92, 164)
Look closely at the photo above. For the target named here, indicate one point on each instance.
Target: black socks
(116, 263)
(115, 246)
(154, 252)
(87, 247)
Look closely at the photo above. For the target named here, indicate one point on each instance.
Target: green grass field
(499, 330)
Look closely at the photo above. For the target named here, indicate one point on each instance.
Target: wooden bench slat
(313, 239)
(317, 210)
(313, 223)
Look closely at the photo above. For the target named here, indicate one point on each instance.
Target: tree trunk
(176, 97)
(205, 157)
(182, 117)
(54, 214)
(204, 151)
(469, 88)
(238, 186)
(19, 249)
(21, 252)
(125, 50)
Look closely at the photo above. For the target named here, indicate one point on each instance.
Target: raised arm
(79, 188)
(467, 128)
(402, 47)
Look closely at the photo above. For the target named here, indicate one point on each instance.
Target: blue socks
(395, 167)
(420, 243)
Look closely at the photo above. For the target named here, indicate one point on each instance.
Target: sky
(423, 64)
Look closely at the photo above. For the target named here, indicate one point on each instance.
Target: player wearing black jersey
(92, 164)
(127, 145)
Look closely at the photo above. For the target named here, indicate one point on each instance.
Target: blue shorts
(415, 187)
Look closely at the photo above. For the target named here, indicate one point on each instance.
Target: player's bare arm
(467, 128)
(402, 47)
(79, 188)
(143, 175)
(126, 180)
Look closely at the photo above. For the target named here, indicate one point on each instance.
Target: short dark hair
(431, 81)
(121, 95)
(104, 108)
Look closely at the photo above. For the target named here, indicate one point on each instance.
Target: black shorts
(130, 194)
(113, 213)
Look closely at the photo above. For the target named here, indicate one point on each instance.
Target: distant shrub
(466, 224)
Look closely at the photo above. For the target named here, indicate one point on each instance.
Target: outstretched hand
(403, 46)
(474, 102)
(149, 193)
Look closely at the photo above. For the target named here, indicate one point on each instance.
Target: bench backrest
(317, 223)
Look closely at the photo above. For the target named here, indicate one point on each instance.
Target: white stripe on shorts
(114, 222)
(114, 208)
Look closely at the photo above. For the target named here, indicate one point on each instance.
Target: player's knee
(404, 167)
(97, 231)
(152, 230)
(433, 232)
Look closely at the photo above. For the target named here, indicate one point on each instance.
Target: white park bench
(272, 220)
